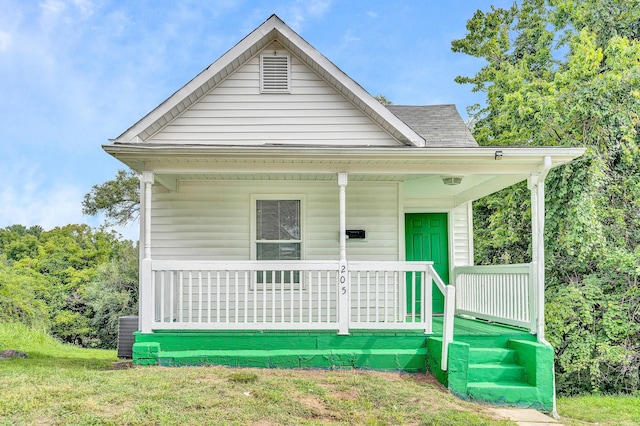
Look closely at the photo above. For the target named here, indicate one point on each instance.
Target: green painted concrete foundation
(489, 363)
(384, 350)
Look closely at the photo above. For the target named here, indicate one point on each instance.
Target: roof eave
(559, 155)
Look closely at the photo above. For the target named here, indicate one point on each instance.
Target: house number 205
(343, 279)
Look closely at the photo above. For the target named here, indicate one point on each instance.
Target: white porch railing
(500, 293)
(299, 295)
(244, 295)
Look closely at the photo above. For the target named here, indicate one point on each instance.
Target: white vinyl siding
(236, 112)
(211, 220)
(462, 243)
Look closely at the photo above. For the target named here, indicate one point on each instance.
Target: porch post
(344, 290)
(145, 299)
(536, 186)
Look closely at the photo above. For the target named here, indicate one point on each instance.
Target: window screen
(278, 236)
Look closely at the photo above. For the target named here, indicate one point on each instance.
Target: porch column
(536, 186)
(145, 298)
(344, 291)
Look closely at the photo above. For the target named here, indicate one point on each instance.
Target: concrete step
(504, 393)
(482, 341)
(496, 373)
(410, 360)
(492, 355)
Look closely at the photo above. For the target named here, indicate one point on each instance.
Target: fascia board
(532, 157)
(305, 151)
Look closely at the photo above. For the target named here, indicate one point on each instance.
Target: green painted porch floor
(464, 327)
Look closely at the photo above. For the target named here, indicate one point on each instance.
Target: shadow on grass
(61, 361)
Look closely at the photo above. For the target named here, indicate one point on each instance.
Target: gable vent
(274, 73)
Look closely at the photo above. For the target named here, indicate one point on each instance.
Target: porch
(341, 313)
(332, 296)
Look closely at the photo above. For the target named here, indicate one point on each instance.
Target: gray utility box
(126, 327)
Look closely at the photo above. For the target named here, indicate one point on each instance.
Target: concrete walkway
(523, 416)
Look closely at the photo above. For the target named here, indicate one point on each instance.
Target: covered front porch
(192, 278)
(207, 297)
(333, 296)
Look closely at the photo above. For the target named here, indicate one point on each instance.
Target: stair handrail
(449, 293)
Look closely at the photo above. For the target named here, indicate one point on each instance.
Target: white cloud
(317, 8)
(301, 10)
(26, 198)
(5, 41)
(85, 7)
(349, 37)
(53, 7)
(372, 14)
(61, 15)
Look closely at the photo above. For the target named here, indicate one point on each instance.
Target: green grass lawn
(62, 384)
(600, 410)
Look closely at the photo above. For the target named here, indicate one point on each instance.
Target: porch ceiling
(482, 171)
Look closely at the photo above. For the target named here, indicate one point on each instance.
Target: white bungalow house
(288, 219)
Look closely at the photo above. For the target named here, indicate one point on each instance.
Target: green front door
(427, 238)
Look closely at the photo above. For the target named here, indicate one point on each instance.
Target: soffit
(420, 170)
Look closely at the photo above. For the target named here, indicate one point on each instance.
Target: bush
(596, 339)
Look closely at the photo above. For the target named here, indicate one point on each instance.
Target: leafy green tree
(567, 72)
(113, 293)
(19, 300)
(118, 199)
(383, 100)
(51, 278)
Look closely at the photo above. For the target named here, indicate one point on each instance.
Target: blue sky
(74, 73)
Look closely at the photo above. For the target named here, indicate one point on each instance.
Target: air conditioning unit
(126, 327)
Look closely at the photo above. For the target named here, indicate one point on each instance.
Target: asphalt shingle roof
(439, 125)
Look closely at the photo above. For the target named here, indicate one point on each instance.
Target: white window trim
(254, 241)
(275, 53)
(298, 197)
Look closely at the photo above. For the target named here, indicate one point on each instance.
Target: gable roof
(439, 125)
(272, 29)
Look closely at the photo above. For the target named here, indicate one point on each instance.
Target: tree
(567, 72)
(117, 199)
(72, 280)
(112, 294)
(383, 100)
(18, 298)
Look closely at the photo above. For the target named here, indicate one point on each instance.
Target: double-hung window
(278, 236)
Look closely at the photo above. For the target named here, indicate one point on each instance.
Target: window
(278, 236)
(274, 73)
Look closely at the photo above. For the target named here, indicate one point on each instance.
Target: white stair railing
(449, 293)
